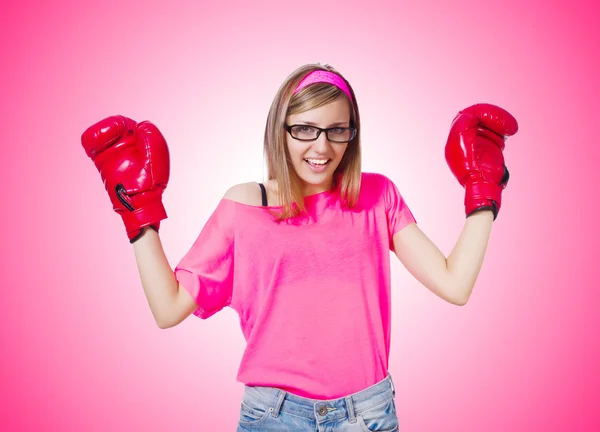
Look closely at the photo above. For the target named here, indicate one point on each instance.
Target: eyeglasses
(311, 133)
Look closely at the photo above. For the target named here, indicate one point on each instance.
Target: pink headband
(321, 76)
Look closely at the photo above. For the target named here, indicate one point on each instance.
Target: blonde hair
(347, 175)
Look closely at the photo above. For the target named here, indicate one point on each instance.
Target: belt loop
(392, 384)
(280, 399)
(350, 407)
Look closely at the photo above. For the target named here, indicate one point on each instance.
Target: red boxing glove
(474, 155)
(133, 160)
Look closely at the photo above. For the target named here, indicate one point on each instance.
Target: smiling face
(289, 160)
(315, 162)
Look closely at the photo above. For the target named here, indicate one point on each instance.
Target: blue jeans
(269, 409)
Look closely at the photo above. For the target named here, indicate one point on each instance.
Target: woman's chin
(316, 184)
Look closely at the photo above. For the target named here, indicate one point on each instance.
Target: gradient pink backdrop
(80, 350)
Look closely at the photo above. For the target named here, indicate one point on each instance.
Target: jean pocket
(253, 412)
(379, 418)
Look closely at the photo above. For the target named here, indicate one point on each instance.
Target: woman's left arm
(474, 154)
(452, 278)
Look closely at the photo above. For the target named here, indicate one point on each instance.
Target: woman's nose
(321, 144)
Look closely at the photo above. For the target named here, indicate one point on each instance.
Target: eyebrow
(331, 125)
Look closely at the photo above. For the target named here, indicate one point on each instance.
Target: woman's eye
(338, 130)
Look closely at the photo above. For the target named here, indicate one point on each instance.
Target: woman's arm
(451, 278)
(169, 302)
(474, 153)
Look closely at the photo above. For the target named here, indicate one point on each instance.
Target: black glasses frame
(320, 131)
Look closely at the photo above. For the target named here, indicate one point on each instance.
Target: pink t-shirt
(312, 293)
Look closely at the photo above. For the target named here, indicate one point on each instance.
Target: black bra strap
(264, 194)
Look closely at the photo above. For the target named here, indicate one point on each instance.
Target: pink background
(80, 350)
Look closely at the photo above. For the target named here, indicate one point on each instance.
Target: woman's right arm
(169, 302)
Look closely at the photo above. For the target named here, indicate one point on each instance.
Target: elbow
(163, 322)
(461, 297)
(458, 292)
(174, 312)
(168, 320)
(456, 301)
(163, 325)
(166, 315)
(460, 301)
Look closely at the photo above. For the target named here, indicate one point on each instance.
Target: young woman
(304, 258)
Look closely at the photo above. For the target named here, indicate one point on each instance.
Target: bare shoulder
(245, 193)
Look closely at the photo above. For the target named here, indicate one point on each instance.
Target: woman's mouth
(317, 165)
